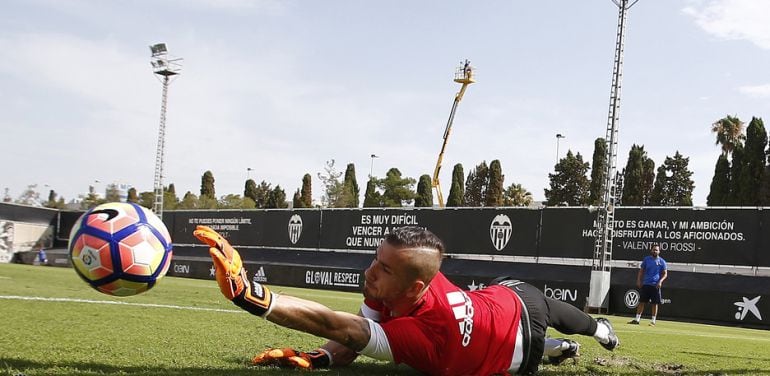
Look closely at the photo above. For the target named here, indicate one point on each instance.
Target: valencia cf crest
(500, 231)
(295, 228)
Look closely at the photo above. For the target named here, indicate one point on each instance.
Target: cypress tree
(296, 201)
(207, 186)
(476, 185)
(720, 183)
(736, 173)
(372, 197)
(307, 193)
(250, 190)
(132, 196)
(753, 170)
(648, 180)
(350, 191)
(598, 172)
(424, 196)
(457, 191)
(632, 179)
(656, 198)
(494, 193)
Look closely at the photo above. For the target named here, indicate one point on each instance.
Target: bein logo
(565, 295)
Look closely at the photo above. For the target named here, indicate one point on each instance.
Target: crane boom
(464, 76)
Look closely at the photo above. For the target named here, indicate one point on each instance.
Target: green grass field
(54, 324)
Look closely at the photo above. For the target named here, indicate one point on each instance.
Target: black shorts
(534, 322)
(650, 294)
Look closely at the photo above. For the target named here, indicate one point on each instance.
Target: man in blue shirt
(649, 280)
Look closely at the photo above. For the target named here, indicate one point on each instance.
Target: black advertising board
(239, 227)
(308, 276)
(464, 231)
(364, 229)
(271, 228)
(568, 292)
(290, 228)
(567, 233)
(714, 236)
(497, 232)
(721, 306)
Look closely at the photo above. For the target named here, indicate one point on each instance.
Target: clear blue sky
(283, 86)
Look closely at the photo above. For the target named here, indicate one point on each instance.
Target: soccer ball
(120, 248)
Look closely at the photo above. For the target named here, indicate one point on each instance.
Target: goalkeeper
(413, 315)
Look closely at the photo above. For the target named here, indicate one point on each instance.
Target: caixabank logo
(500, 231)
(295, 228)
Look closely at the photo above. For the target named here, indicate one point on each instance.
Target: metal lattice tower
(605, 219)
(166, 69)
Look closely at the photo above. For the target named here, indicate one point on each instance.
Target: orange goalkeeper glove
(231, 276)
(291, 358)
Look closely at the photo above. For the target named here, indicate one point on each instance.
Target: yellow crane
(464, 76)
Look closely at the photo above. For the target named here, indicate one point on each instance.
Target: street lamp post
(371, 167)
(248, 173)
(559, 136)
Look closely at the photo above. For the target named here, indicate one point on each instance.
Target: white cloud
(756, 91)
(734, 19)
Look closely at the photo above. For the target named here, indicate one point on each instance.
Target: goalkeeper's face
(387, 278)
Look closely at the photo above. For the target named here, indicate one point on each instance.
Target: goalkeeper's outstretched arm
(347, 329)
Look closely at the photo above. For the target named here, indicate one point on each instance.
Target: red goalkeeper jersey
(455, 332)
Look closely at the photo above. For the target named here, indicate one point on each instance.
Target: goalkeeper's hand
(231, 276)
(291, 358)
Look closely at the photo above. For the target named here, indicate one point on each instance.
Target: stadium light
(158, 49)
(371, 167)
(165, 68)
(559, 136)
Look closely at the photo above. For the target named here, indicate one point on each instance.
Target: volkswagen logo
(631, 298)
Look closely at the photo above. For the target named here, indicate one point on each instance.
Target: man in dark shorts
(649, 280)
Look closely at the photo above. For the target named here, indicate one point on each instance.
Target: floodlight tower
(605, 219)
(464, 76)
(166, 69)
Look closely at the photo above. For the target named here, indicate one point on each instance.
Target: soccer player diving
(412, 314)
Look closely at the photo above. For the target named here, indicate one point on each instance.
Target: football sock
(638, 317)
(602, 333)
(555, 347)
(653, 319)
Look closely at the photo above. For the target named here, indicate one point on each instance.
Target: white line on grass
(73, 300)
(748, 337)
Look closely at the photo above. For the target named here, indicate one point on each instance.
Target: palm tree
(516, 195)
(729, 132)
